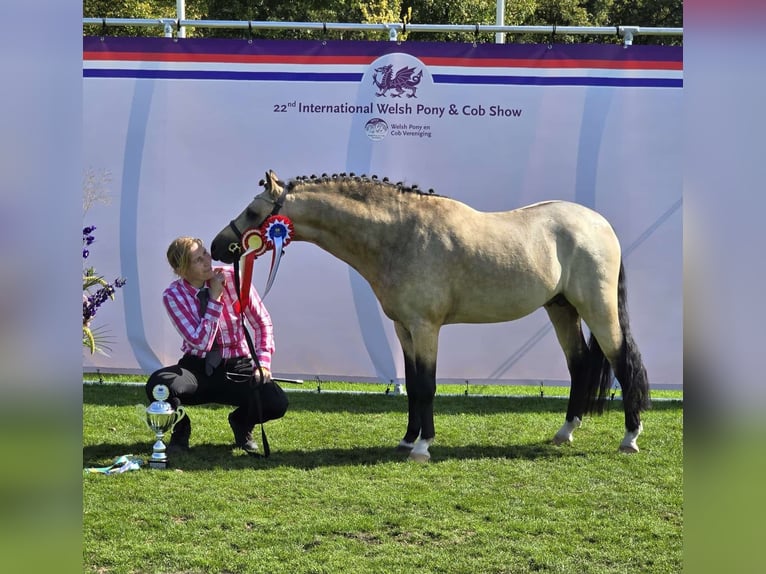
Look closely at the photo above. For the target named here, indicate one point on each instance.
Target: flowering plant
(95, 291)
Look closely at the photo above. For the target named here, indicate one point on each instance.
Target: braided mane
(341, 178)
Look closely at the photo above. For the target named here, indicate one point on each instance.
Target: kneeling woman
(216, 366)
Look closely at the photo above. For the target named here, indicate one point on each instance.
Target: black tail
(629, 370)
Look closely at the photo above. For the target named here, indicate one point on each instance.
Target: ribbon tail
(275, 259)
(245, 280)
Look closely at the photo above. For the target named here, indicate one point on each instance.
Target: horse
(432, 261)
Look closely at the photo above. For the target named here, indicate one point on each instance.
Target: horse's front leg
(422, 392)
(413, 413)
(420, 376)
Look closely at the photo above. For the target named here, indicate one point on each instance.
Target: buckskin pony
(432, 261)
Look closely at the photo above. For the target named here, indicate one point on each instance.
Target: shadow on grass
(227, 457)
(124, 395)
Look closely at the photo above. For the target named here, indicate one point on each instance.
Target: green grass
(336, 497)
(442, 389)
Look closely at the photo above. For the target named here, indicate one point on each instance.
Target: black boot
(179, 440)
(243, 434)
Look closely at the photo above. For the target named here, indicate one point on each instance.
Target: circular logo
(161, 392)
(376, 129)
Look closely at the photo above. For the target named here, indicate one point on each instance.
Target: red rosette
(253, 242)
(277, 229)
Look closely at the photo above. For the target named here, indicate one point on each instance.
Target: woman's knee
(166, 376)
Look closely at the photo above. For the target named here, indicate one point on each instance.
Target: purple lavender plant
(95, 291)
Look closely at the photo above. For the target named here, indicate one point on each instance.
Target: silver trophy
(161, 418)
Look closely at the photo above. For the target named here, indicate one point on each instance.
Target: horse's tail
(629, 368)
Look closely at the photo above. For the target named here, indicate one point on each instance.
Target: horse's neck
(341, 226)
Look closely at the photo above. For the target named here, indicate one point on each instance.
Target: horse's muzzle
(225, 249)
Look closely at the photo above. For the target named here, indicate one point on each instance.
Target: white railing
(177, 27)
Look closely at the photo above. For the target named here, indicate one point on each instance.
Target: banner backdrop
(184, 129)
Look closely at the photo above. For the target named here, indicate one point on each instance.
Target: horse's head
(227, 245)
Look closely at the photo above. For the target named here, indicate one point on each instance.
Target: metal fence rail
(177, 27)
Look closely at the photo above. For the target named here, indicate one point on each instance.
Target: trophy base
(158, 464)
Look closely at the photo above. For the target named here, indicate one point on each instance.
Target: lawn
(335, 496)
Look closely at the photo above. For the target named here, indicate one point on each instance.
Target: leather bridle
(236, 247)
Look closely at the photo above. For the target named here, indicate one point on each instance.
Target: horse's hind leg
(631, 374)
(566, 322)
(611, 330)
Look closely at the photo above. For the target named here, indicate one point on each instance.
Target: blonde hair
(179, 253)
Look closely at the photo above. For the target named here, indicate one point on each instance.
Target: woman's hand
(216, 284)
(266, 374)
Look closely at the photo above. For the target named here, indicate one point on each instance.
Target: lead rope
(253, 384)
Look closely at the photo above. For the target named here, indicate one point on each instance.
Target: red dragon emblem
(405, 79)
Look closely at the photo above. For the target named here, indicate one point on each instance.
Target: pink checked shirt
(220, 321)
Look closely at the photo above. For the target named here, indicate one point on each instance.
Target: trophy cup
(161, 418)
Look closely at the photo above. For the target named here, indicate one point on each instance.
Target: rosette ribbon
(254, 245)
(277, 231)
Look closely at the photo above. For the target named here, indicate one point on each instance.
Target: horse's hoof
(404, 446)
(420, 456)
(562, 439)
(564, 434)
(419, 452)
(629, 444)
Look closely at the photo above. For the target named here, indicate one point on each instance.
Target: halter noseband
(278, 204)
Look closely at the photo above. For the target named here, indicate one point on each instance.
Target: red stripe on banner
(365, 60)
(226, 58)
(565, 63)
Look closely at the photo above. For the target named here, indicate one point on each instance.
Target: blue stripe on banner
(357, 77)
(223, 75)
(559, 81)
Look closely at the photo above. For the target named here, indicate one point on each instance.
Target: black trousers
(229, 384)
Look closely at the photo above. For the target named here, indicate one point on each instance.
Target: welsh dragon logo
(405, 80)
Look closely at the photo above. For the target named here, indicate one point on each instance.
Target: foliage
(335, 496)
(277, 11)
(95, 291)
(645, 13)
(661, 13)
(154, 9)
(95, 188)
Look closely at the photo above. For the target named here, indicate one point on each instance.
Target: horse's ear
(272, 184)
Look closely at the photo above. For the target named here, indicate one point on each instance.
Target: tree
(644, 13)
(195, 9)
(278, 11)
